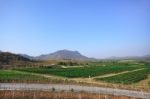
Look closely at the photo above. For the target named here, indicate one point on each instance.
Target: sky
(96, 28)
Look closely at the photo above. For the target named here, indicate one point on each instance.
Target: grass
(81, 71)
(128, 78)
(15, 76)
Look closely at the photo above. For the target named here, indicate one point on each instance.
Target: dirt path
(113, 74)
(92, 81)
(43, 75)
(75, 88)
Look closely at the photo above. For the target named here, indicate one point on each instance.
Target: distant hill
(63, 55)
(7, 58)
(146, 57)
(27, 56)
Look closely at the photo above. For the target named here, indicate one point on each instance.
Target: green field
(135, 72)
(128, 78)
(91, 71)
(15, 76)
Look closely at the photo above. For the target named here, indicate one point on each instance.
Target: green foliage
(72, 90)
(14, 76)
(71, 63)
(53, 89)
(128, 78)
(81, 71)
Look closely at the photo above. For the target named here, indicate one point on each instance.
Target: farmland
(81, 71)
(15, 76)
(128, 78)
(103, 73)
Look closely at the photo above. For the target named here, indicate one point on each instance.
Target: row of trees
(70, 63)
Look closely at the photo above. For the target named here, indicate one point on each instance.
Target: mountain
(63, 55)
(7, 58)
(27, 56)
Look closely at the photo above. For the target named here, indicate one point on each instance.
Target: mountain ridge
(7, 58)
(75, 55)
(63, 55)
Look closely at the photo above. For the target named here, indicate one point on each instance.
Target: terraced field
(128, 78)
(81, 71)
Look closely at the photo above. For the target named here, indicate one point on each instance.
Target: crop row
(128, 78)
(82, 71)
(14, 76)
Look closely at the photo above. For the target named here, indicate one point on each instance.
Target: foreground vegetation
(56, 95)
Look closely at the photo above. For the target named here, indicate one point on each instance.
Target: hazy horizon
(95, 28)
(79, 52)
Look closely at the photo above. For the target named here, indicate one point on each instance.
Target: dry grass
(56, 95)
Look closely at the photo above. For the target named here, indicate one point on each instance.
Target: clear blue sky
(96, 28)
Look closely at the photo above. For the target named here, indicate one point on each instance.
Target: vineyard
(128, 78)
(81, 71)
(123, 73)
